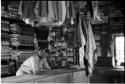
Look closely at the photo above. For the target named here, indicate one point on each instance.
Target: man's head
(42, 52)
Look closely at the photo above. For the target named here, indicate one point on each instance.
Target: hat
(46, 49)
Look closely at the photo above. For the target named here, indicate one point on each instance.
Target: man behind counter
(35, 64)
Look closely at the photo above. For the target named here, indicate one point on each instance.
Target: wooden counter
(53, 76)
(108, 75)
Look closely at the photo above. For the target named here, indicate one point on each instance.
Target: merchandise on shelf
(18, 39)
(13, 10)
(22, 29)
(61, 45)
(4, 26)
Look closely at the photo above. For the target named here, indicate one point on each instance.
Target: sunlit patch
(120, 50)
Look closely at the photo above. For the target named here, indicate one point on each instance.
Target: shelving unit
(115, 24)
(6, 29)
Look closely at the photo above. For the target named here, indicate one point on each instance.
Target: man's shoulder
(30, 58)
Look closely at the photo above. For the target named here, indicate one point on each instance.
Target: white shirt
(32, 64)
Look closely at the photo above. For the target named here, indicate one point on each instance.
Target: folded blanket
(5, 43)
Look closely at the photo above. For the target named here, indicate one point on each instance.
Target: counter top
(40, 75)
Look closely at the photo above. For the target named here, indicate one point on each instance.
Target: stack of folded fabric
(5, 52)
(70, 52)
(26, 29)
(4, 13)
(22, 54)
(18, 39)
(13, 10)
(22, 29)
(4, 36)
(69, 35)
(4, 26)
(15, 28)
(6, 43)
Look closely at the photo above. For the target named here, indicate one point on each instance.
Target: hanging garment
(59, 10)
(36, 9)
(71, 10)
(50, 11)
(95, 10)
(67, 9)
(54, 6)
(41, 8)
(63, 10)
(91, 47)
(27, 9)
(20, 8)
(85, 33)
(81, 49)
(31, 65)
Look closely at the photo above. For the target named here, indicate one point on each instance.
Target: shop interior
(85, 40)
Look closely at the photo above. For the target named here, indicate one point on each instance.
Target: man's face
(42, 53)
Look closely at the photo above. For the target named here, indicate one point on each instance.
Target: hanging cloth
(54, 6)
(20, 8)
(27, 9)
(71, 10)
(41, 8)
(91, 47)
(44, 8)
(59, 10)
(67, 9)
(81, 49)
(63, 10)
(50, 11)
(95, 10)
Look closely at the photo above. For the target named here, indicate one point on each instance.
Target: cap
(46, 49)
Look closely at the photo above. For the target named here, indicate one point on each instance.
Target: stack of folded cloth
(69, 35)
(5, 26)
(4, 13)
(15, 28)
(13, 10)
(21, 54)
(22, 29)
(5, 52)
(5, 36)
(70, 52)
(27, 29)
(6, 43)
(18, 39)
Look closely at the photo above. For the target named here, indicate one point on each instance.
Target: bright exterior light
(120, 50)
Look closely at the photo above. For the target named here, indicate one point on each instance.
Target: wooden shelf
(21, 33)
(98, 24)
(43, 41)
(23, 47)
(12, 19)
